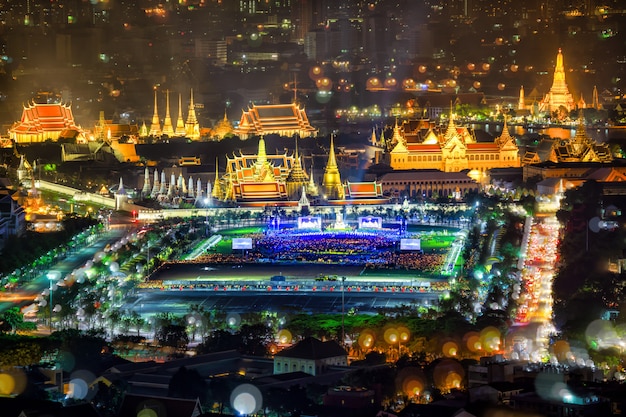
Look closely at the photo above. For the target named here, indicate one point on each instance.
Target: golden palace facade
(452, 150)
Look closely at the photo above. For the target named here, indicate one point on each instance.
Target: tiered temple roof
(40, 122)
(281, 119)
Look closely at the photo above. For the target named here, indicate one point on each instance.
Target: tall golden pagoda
(559, 94)
(155, 127)
(168, 129)
(521, 103)
(217, 188)
(192, 127)
(263, 169)
(333, 188)
(180, 123)
(297, 178)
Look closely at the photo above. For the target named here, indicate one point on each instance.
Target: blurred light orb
(390, 83)
(422, 69)
(501, 86)
(471, 66)
(476, 84)
(7, 384)
(316, 72)
(246, 399)
(78, 389)
(284, 336)
(147, 412)
(450, 349)
(233, 319)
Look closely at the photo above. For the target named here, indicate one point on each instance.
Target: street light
(52, 277)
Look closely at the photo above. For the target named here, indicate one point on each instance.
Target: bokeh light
(246, 399)
(12, 381)
(233, 319)
(472, 341)
(366, 340)
(284, 337)
(411, 381)
(490, 339)
(448, 374)
(450, 349)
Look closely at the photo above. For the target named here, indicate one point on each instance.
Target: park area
(372, 258)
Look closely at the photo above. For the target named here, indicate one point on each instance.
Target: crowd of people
(425, 262)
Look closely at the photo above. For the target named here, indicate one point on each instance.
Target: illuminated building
(259, 177)
(155, 126)
(333, 189)
(454, 150)
(262, 179)
(168, 129)
(311, 356)
(192, 127)
(41, 122)
(280, 119)
(559, 95)
(189, 128)
(223, 128)
(580, 148)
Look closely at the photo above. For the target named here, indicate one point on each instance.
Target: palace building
(280, 119)
(559, 95)
(454, 150)
(41, 122)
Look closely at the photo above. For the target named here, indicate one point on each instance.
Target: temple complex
(263, 179)
(580, 148)
(41, 122)
(280, 119)
(559, 94)
(454, 150)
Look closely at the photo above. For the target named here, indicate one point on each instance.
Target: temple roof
(275, 118)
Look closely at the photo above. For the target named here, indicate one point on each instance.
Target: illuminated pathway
(534, 314)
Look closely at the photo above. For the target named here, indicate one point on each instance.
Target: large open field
(366, 257)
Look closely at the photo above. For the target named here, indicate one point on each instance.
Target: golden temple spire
(312, 186)
(262, 153)
(155, 126)
(595, 102)
(296, 178)
(373, 139)
(192, 128)
(332, 179)
(506, 140)
(451, 130)
(398, 139)
(168, 129)
(559, 94)
(180, 123)
(521, 103)
(217, 189)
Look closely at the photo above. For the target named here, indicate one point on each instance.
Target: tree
(173, 335)
(12, 320)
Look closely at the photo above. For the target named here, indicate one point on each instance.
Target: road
(150, 302)
(26, 294)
